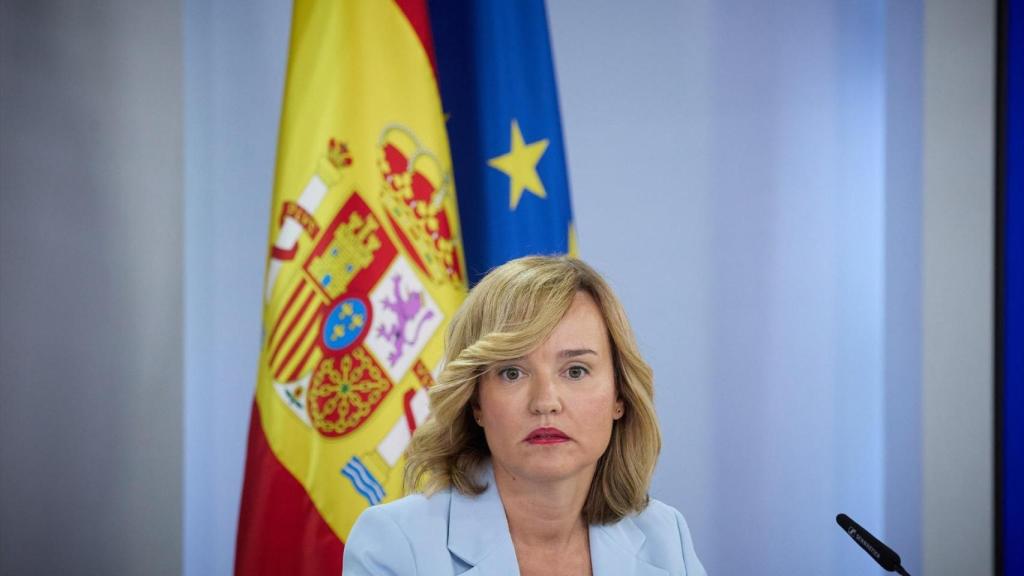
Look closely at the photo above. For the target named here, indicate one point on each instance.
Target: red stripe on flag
(303, 334)
(280, 531)
(419, 17)
(288, 330)
(284, 312)
(300, 367)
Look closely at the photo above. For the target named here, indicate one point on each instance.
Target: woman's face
(549, 415)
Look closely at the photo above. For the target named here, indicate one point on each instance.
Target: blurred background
(793, 199)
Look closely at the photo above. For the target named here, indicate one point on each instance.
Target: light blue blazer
(450, 534)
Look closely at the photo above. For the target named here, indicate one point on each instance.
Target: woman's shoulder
(667, 535)
(658, 516)
(412, 510)
(400, 536)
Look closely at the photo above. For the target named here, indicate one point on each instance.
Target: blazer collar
(478, 530)
(618, 549)
(478, 535)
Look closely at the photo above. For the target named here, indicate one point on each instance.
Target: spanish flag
(365, 269)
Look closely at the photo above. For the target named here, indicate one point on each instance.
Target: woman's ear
(620, 409)
(474, 403)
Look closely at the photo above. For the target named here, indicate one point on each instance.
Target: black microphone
(873, 546)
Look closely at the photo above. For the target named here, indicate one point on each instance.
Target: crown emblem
(416, 194)
(338, 157)
(338, 154)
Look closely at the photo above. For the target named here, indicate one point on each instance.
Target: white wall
(235, 56)
(903, 325)
(727, 162)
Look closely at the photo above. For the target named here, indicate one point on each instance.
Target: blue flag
(498, 90)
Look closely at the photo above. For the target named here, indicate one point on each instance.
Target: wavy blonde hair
(508, 314)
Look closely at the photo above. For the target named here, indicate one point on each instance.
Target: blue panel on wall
(1012, 434)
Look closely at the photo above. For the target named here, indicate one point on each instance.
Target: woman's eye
(576, 372)
(511, 374)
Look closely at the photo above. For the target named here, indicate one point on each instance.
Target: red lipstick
(547, 435)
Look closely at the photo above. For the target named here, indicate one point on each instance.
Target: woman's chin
(550, 467)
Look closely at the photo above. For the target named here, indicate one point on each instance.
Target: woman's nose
(544, 396)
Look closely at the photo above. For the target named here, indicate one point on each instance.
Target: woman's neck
(543, 514)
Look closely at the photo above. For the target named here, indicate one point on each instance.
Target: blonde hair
(508, 314)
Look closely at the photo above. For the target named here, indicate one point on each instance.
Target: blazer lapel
(478, 532)
(478, 536)
(615, 550)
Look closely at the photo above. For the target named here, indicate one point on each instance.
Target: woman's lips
(547, 436)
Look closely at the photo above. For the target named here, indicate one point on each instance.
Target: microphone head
(882, 554)
(844, 521)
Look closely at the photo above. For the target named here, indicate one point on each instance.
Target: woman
(539, 449)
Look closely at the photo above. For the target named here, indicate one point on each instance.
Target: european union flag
(498, 90)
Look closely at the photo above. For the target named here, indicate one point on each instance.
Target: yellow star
(520, 164)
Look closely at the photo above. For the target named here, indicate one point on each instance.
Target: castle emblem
(350, 247)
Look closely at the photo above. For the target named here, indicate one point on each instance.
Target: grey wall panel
(958, 177)
(90, 288)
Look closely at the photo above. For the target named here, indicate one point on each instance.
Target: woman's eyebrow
(576, 352)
